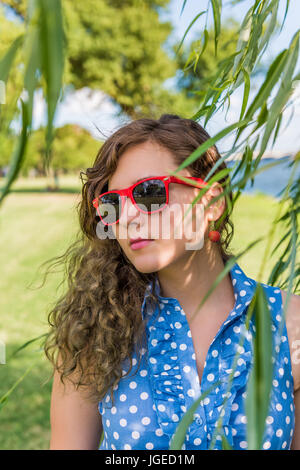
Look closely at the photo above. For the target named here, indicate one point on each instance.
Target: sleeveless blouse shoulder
(150, 403)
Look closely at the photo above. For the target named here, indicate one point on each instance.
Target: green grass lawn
(36, 226)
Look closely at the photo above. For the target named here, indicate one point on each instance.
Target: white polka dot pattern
(150, 403)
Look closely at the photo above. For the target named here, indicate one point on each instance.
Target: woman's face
(147, 160)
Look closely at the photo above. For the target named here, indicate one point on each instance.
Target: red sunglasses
(143, 194)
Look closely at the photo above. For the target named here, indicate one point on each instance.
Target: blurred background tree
(116, 47)
(72, 148)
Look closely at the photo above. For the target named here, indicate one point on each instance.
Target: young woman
(134, 348)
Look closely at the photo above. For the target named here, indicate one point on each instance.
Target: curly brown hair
(97, 323)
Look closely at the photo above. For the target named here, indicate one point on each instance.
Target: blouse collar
(243, 287)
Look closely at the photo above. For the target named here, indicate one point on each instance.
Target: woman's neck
(190, 280)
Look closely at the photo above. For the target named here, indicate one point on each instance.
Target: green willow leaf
(284, 92)
(257, 3)
(271, 80)
(260, 381)
(212, 109)
(187, 30)
(8, 59)
(225, 443)
(216, 6)
(244, 167)
(200, 113)
(25, 345)
(19, 153)
(246, 92)
(285, 13)
(33, 62)
(267, 86)
(178, 437)
(277, 128)
(243, 38)
(205, 42)
(52, 53)
(183, 6)
(262, 117)
(273, 10)
(207, 144)
(189, 61)
(4, 398)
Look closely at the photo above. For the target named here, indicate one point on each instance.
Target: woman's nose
(129, 212)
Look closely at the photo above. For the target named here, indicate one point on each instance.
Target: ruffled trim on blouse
(165, 371)
(173, 389)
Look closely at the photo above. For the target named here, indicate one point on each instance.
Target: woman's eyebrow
(140, 179)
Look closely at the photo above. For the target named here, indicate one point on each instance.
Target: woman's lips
(140, 244)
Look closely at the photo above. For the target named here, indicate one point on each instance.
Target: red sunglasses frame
(128, 192)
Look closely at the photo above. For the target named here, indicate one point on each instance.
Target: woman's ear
(217, 207)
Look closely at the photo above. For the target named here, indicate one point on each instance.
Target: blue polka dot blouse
(149, 404)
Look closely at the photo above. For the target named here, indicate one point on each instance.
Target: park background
(38, 219)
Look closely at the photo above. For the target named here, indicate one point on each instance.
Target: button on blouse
(150, 404)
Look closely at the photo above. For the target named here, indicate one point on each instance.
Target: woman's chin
(146, 266)
(146, 262)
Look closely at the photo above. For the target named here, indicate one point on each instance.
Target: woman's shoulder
(292, 319)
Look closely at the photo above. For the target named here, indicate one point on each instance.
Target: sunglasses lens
(109, 208)
(150, 193)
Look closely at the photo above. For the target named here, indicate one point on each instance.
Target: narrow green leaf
(8, 59)
(19, 153)
(284, 92)
(265, 38)
(33, 62)
(216, 6)
(25, 345)
(246, 92)
(207, 144)
(271, 80)
(211, 110)
(260, 382)
(225, 443)
(4, 398)
(262, 117)
(200, 113)
(205, 42)
(277, 128)
(285, 13)
(180, 433)
(187, 30)
(267, 86)
(52, 39)
(244, 35)
(184, 2)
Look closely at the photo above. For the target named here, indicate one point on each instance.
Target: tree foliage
(117, 47)
(73, 149)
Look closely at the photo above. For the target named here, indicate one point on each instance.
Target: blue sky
(91, 110)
